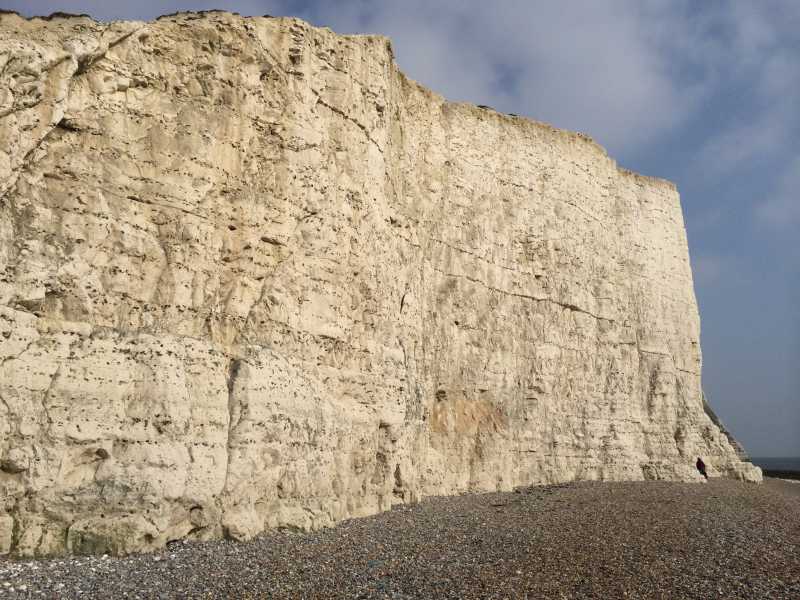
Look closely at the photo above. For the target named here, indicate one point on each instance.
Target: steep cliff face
(251, 276)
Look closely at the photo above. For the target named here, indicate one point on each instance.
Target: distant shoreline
(777, 464)
(795, 475)
(779, 467)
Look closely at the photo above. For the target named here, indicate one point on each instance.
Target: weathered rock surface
(251, 276)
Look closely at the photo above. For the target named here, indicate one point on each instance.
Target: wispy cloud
(709, 269)
(759, 65)
(782, 210)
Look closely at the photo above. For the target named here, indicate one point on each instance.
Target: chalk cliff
(252, 276)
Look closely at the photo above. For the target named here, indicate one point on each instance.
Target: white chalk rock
(252, 276)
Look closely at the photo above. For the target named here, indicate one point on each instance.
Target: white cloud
(754, 135)
(760, 66)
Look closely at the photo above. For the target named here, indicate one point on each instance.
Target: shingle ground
(586, 540)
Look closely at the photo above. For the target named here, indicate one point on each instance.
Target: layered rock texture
(252, 276)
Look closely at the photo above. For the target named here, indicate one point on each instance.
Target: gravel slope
(588, 540)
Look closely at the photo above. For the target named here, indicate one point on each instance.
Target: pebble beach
(723, 539)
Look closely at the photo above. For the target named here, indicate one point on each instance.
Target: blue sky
(706, 94)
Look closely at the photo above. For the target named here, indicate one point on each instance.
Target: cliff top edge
(483, 109)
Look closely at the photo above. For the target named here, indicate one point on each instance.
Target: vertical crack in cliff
(290, 250)
(413, 398)
(46, 396)
(4, 402)
(234, 367)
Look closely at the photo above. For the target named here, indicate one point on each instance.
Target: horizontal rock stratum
(252, 276)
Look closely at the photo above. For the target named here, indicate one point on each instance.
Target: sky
(706, 94)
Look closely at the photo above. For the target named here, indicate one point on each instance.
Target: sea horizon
(777, 463)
